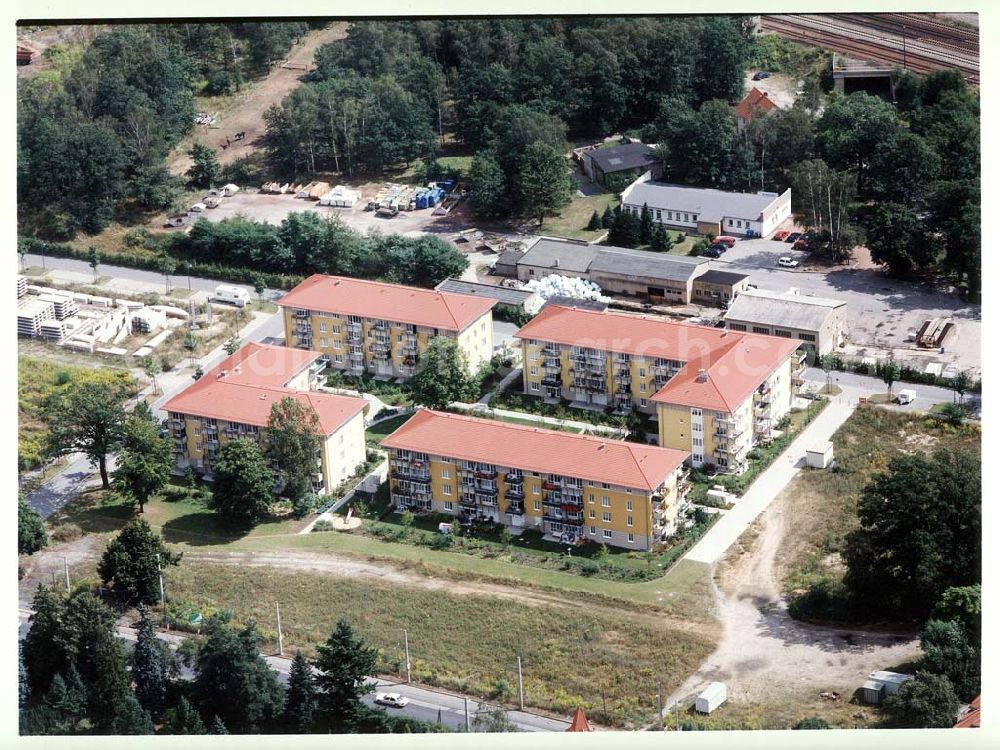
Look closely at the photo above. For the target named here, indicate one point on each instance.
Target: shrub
(323, 525)
(589, 568)
(813, 722)
(66, 532)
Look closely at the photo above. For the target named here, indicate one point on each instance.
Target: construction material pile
(561, 286)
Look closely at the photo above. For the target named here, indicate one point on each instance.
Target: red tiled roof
(579, 723)
(244, 386)
(374, 299)
(735, 363)
(756, 101)
(618, 462)
(971, 719)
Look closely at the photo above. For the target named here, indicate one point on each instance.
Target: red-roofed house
(755, 104)
(571, 487)
(370, 327)
(971, 717)
(714, 392)
(234, 400)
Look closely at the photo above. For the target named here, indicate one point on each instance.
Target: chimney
(702, 376)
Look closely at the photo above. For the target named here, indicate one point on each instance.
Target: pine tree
(607, 218)
(658, 240)
(23, 687)
(218, 727)
(111, 706)
(184, 719)
(131, 561)
(300, 700)
(645, 224)
(345, 663)
(150, 666)
(595, 222)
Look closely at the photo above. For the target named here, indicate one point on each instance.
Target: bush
(66, 532)
(323, 525)
(303, 506)
(813, 722)
(590, 567)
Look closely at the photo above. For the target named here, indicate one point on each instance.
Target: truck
(906, 396)
(231, 295)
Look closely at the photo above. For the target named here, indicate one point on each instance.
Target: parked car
(780, 236)
(760, 75)
(393, 700)
(787, 262)
(386, 212)
(800, 244)
(712, 252)
(718, 246)
(793, 236)
(724, 239)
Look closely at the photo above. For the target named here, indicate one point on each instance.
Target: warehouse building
(381, 329)
(816, 323)
(714, 393)
(507, 298)
(572, 488)
(629, 159)
(234, 400)
(657, 277)
(708, 211)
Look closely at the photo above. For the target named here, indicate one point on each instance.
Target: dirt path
(345, 566)
(763, 650)
(247, 110)
(46, 566)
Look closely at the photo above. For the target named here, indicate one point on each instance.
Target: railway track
(915, 28)
(881, 40)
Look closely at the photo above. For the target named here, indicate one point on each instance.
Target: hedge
(907, 374)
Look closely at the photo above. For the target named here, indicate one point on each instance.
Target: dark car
(761, 75)
(712, 252)
(720, 246)
(793, 236)
(800, 244)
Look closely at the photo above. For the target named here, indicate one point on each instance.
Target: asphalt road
(425, 705)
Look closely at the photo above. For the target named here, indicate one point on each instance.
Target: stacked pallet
(22, 286)
(52, 330)
(31, 314)
(63, 305)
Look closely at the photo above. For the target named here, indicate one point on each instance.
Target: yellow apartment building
(368, 327)
(234, 400)
(714, 393)
(572, 488)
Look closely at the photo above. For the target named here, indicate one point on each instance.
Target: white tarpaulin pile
(561, 286)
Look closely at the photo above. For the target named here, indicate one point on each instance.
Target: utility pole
(281, 640)
(468, 724)
(520, 685)
(66, 572)
(163, 596)
(406, 648)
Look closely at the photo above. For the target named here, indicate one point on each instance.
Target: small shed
(881, 684)
(711, 698)
(820, 455)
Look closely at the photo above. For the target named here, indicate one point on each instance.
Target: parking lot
(880, 310)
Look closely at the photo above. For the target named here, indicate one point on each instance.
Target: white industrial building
(706, 210)
(818, 322)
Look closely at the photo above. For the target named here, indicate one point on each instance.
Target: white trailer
(231, 295)
(906, 396)
(711, 698)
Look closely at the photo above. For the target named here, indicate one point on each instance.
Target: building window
(537, 491)
(446, 489)
(607, 533)
(697, 427)
(761, 329)
(322, 327)
(534, 385)
(591, 498)
(593, 530)
(538, 505)
(631, 537)
(696, 412)
(739, 222)
(606, 517)
(807, 337)
(322, 343)
(449, 505)
(533, 371)
(533, 355)
(642, 387)
(697, 457)
(697, 442)
(628, 521)
(782, 334)
(658, 214)
(737, 327)
(592, 514)
(628, 505)
(605, 501)
(446, 473)
(642, 402)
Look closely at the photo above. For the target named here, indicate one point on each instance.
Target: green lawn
(572, 220)
(382, 429)
(35, 271)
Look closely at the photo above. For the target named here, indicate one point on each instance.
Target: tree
(492, 719)
(168, 267)
(724, 48)
(645, 224)
(954, 414)
(112, 707)
(442, 375)
(31, 535)
(659, 239)
(132, 561)
(190, 343)
(94, 261)
(827, 199)
(852, 130)
(89, 418)
(949, 652)
(626, 231)
(243, 483)
(152, 368)
(259, 286)
(300, 698)
(294, 442)
(232, 344)
(904, 168)
(897, 238)
(234, 681)
(345, 664)
(918, 535)
(487, 186)
(206, 170)
(218, 727)
(889, 371)
(198, 372)
(608, 218)
(42, 661)
(184, 719)
(151, 665)
(926, 701)
(595, 222)
(813, 722)
(145, 461)
(543, 184)
(960, 384)
(962, 603)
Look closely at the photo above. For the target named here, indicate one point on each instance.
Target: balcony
(516, 509)
(572, 490)
(551, 350)
(511, 478)
(421, 477)
(553, 381)
(575, 519)
(485, 473)
(300, 314)
(514, 493)
(552, 363)
(485, 491)
(624, 377)
(467, 501)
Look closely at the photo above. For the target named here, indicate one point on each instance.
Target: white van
(232, 295)
(906, 396)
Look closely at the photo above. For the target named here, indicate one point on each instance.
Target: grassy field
(822, 505)
(383, 429)
(572, 221)
(572, 655)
